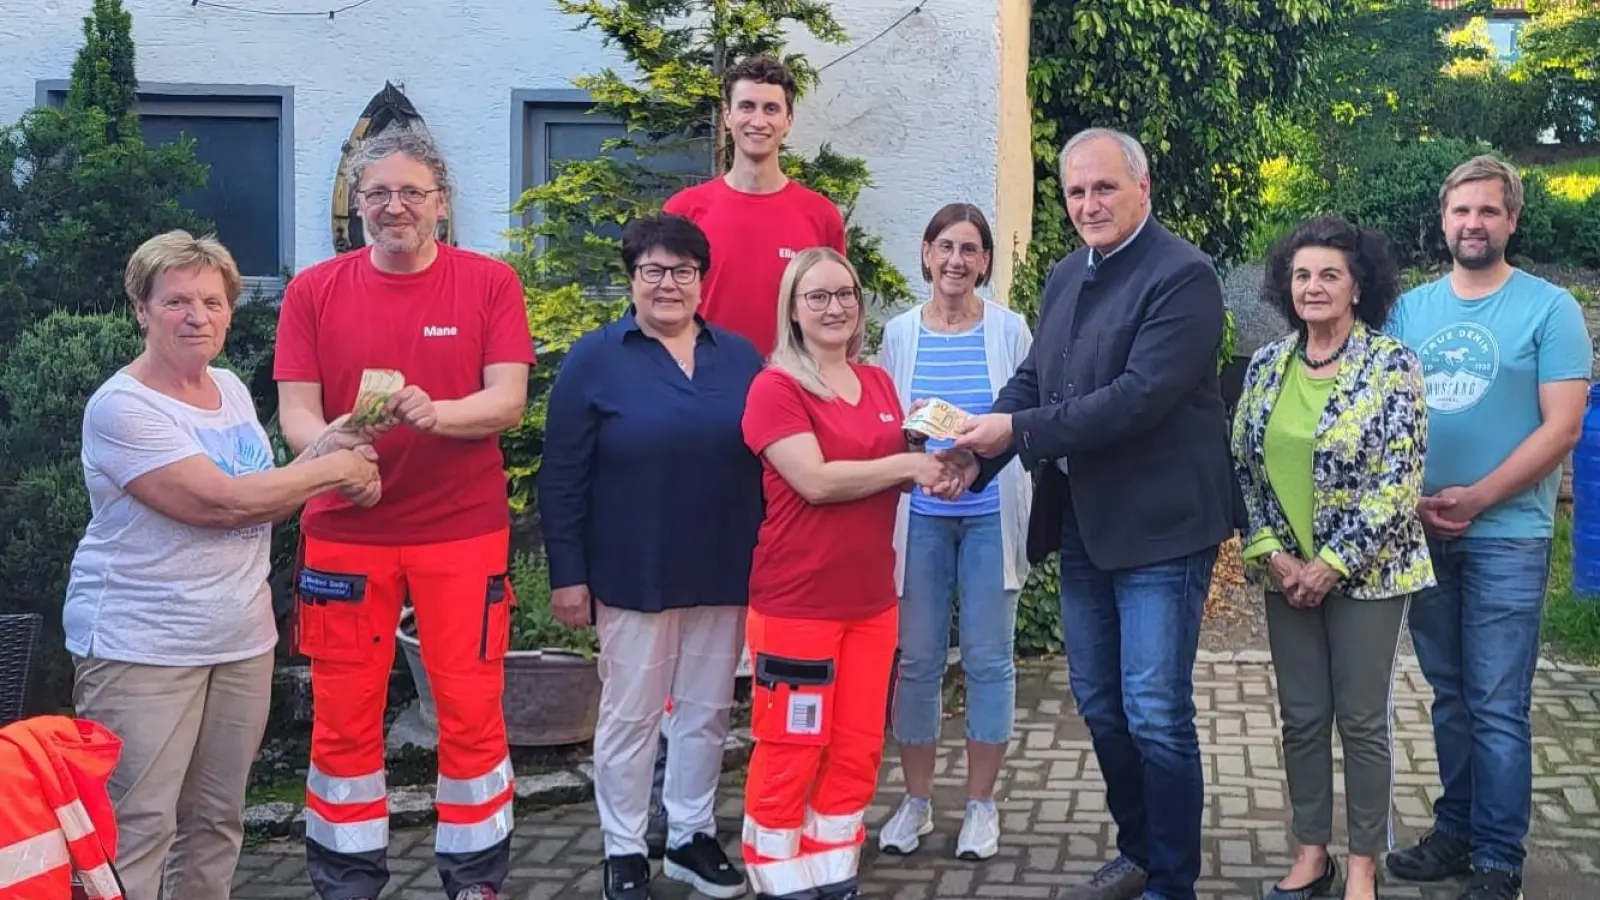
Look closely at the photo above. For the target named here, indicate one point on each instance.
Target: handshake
(383, 401)
(945, 474)
(949, 472)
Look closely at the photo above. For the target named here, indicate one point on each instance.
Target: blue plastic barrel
(1586, 502)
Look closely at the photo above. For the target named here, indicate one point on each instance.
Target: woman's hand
(361, 484)
(1285, 570)
(571, 605)
(341, 435)
(923, 469)
(1316, 579)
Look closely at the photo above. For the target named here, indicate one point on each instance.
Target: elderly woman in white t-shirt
(168, 615)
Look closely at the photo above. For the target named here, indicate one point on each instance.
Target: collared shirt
(1096, 257)
(647, 492)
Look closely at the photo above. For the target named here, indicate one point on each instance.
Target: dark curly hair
(762, 69)
(1366, 252)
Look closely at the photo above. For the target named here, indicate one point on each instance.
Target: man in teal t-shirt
(1506, 359)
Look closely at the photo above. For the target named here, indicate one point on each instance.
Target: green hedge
(1397, 193)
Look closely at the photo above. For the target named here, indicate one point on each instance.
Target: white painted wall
(920, 104)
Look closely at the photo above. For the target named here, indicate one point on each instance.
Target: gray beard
(411, 243)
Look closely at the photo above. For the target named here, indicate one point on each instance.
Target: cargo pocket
(497, 604)
(332, 623)
(792, 700)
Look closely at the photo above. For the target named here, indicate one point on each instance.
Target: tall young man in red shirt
(453, 323)
(756, 217)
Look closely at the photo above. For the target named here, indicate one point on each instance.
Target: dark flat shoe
(1322, 887)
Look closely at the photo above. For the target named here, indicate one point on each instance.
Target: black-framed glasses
(410, 196)
(650, 273)
(817, 301)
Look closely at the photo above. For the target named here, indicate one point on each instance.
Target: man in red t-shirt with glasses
(453, 326)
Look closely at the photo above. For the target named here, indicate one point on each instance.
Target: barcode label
(805, 714)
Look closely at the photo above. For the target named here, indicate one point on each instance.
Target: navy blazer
(1122, 383)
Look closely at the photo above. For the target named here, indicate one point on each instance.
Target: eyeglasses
(817, 301)
(652, 274)
(947, 249)
(409, 196)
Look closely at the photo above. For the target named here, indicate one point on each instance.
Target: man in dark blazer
(1119, 411)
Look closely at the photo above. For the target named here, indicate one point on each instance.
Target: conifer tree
(670, 104)
(80, 189)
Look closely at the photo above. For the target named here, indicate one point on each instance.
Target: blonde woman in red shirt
(823, 618)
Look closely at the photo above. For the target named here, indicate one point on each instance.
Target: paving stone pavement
(1053, 809)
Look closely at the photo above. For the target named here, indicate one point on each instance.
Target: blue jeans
(944, 555)
(1131, 637)
(1477, 638)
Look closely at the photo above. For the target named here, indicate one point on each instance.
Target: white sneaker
(903, 832)
(980, 832)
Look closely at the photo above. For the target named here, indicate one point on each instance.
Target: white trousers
(690, 656)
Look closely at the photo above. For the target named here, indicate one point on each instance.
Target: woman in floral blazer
(1328, 446)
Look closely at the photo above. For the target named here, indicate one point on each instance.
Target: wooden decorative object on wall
(388, 109)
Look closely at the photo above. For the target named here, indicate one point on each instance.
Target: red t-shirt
(753, 237)
(829, 560)
(440, 328)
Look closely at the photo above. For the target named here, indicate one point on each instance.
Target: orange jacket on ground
(56, 818)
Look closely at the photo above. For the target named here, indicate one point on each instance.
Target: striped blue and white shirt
(955, 369)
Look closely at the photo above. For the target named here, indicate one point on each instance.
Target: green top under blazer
(1369, 449)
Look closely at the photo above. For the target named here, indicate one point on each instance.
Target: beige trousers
(188, 736)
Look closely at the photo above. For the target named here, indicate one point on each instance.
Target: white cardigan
(1006, 340)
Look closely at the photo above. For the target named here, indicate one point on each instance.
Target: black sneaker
(1487, 884)
(627, 877)
(1434, 858)
(702, 863)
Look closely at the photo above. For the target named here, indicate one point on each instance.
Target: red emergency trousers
(349, 599)
(817, 717)
(56, 818)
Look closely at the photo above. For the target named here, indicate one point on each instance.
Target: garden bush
(1490, 106)
(1398, 194)
(42, 516)
(48, 375)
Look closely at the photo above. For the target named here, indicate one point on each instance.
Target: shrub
(1039, 611)
(48, 376)
(1490, 106)
(533, 625)
(557, 317)
(1577, 231)
(42, 517)
(1398, 194)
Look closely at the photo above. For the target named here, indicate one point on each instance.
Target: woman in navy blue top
(650, 503)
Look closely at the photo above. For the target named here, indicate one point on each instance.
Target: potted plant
(552, 693)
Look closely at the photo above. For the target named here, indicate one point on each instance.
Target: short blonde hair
(791, 354)
(1485, 168)
(179, 250)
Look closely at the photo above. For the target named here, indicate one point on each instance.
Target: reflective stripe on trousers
(474, 813)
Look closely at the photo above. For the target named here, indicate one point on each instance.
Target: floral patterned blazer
(1367, 462)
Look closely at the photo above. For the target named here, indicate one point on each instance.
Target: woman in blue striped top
(961, 349)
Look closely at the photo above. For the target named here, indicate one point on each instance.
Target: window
(553, 127)
(244, 136)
